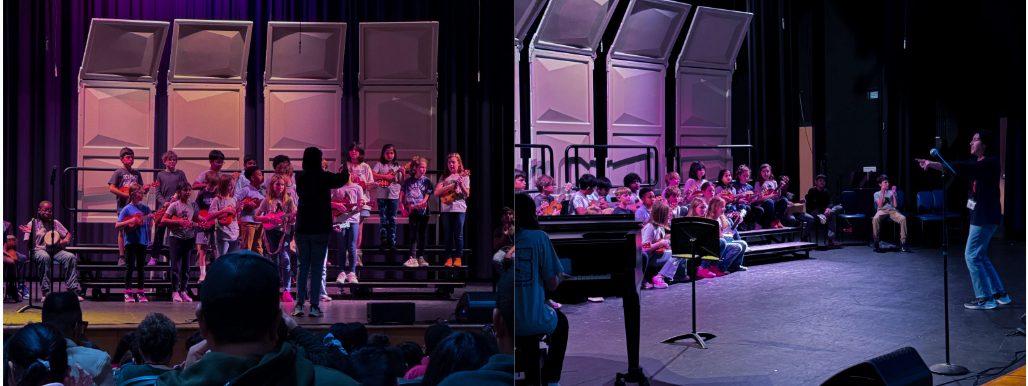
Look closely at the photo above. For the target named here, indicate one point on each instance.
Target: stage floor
(800, 322)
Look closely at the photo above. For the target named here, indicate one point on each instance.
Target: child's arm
(118, 192)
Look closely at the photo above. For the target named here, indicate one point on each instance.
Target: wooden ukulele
(452, 196)
(554, 207)
(125, 189)
(781, 187)
(273, 220)
(140, 220)
(347, 205)
(178, 226)
(383, 183)
(204, 224)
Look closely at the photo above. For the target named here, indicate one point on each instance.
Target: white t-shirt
(578, 200)
(362, 173)
(391, 192)
(458, 205)
(353, 194)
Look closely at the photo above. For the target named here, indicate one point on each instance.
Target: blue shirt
(140, 235)
(415, 190)
(535, 261)
(249, 191)
(642, 214)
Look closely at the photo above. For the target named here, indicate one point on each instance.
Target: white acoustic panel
(635, 116)
(399, 53)
(128, 50)
(305, 53)
(573, 26)
(713, 159)
(404, 116)
(649, 30)
(112, 115)
(209, 51)
(204, 117)
(525, 12)
(704, 116)
(714, 38)
(562, 107)
(300, 116)
(517, 110)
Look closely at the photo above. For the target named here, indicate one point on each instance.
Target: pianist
(537, 269)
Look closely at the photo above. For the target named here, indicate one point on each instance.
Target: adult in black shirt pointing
(313, 225)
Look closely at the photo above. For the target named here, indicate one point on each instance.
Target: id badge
(970, 204)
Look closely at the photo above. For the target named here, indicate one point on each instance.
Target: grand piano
(606, 260)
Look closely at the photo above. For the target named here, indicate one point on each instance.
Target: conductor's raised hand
(923, 163)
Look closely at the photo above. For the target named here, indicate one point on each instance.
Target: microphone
(53, 175)
(935, 153)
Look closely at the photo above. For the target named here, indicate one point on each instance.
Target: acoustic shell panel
(562, 108)
(404, 116)
(649, 30)
(714, 38)
(305, 53)
(300, 116)
(573, 26)
(399, 53)
(204, 117)
(704, 116)
(123, 50)
(635, 116)
(210, 51)
(517, 109)
(525, 12)
(112, 115)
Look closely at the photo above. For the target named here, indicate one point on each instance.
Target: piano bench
(529, 356)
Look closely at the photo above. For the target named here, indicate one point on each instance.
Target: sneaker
(412, 263)
(185, 296)
(298, 310)
(904, 248)
(315, 312)
(352, 277)
(981, 304)
(658, 282)
(1001, 298)
(554, 304)
(129, 297)
(705, 273)
(121, 261)
(152, 262)
(326, 299)
(422, 262)
(456, 262)
(822, 218)
(287, 297)
(342, 278)
(449, 262)
(716, 271)
(598, 299)
(24, 291)
(647, 285)
(175, 297)
(740, 268)
(141, 296)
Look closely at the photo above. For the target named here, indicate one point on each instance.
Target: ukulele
(178, 226)
(347, 205)
(554, 207)
(383, 183)
(781, 186)
(125, 189)
(140, 220)
(452, 196)
(204, 224)
(273, 220)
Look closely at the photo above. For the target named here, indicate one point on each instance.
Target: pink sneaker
(647, 285)
(705, 273)
(175, 297)
(658, 282)
(141, 296)
(554, 304)
(286, 297)
(716, 271)
(185, 297)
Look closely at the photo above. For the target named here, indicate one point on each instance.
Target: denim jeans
(983, 275)
(69, 268)
(453, 234)
(224, 247)
(281, 255)
(387, 217)
(311, 252)
(732, 254)
(668, 265)
(347, 238)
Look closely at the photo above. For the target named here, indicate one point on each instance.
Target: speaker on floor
(476, 307)
(898, 368)
(390, 313)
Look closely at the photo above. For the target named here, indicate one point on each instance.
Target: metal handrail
(526, 156)
(674, 153)
(652, 173)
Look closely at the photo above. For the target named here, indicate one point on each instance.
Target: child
(599, 197)
(226, 237)
(362, 175)
(673, 194)
(746, 195)
(672, 179)
(205, 237)
(632, 181)
(643, 213)
(885, 207)
(217, 159)
(251, 232)
(657, 245)
(698, 208)
(390, 171)
(169, 179)
(624, 197)
(593, 209)
(282, 165)
(503, 242)
(454, 181)
(725, 189)
(772, 201)
(182, 239)
(137, 237)
(278, 209)
(520, 182)
(347, 227)
(241, 180)
(122, 178)
(580, 200)
(414, 196)
(731, 250)
(546, 187)
(697, 172)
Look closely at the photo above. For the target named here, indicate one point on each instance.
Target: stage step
(116, 268)
(768, 232)
(779, 248)
(364, 289)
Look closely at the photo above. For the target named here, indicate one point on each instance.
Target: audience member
(885, 204)
(63, 311)
(412, 353)
(632, 181)
(461, 351)
(352, 336)
(377, 365)
(624, 199)
(600, 197)
(155, 337)
(379, 340)
(819, 204)
(643, 213)
(38, 355)
(580, 200)
(500, 369)
(127, 351)
(433, 335)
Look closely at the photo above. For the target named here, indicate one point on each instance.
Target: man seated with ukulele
(49, 233)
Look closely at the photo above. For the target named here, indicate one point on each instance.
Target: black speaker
(476, 307)
(898, 368)
(390, 313)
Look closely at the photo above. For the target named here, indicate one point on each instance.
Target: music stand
(690, 235)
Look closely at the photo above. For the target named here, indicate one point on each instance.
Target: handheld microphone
(935, 153)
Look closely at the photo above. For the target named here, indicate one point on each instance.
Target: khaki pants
(251, 237)
(876, 223)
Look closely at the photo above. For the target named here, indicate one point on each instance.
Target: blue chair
(925, 209)
(940, 209)
(849, 208)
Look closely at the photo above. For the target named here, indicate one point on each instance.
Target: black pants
(558, 347)
(418, 224)
(158, 242)
(179, 261)
(11, 280)
(134, 255)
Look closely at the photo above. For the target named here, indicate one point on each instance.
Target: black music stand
(689, 235)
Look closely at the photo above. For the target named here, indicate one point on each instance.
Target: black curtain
(47, 39)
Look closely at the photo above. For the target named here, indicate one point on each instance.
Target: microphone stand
(946, 368)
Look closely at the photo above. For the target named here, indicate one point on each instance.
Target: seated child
(632, 181)
(657, 246)
(599, 197)
(545, 199)
(672, 194)
(732, 250)
(624, 199)
(643, 213)
(697, 173)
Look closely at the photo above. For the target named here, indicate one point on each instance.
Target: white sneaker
(411, 263)
(822, 218)
(422, 262)
(352, 277)
(342, 278)
(595, 300)
(326, 298)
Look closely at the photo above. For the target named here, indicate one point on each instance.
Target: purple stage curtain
(45, 39)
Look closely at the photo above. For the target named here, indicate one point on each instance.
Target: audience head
(883, 181)
(435, 334)
(37, 354)
(987, 143)
(412, 352)
(587, 183)
(646, 196)
(193, 340)
(672, 179)
(379, 340)
(156, 337)
(239, 301)
(632, 181)
(507, 215)
(63, 311)
(524, 212)
(377, 366)
(671, 194)
(659, 215)
(461, 351)
(742, 173)
(352, 336)
(520, 180)
(603, 186)
(127, 351)
(388, 154)
(697, 170)
(716, 208)
(697, 207)
(623, 195)
(545, 184)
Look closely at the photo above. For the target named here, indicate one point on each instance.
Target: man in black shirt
(819, 205)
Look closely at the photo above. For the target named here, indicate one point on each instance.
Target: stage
(109, 320)
(799, 322)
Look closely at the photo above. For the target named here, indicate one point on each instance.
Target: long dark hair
(382, 158)
(360, 151)
(988, 138)
(40, 354)
(694, 170)
(461, 351)
(524, 213)
(720, 178)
